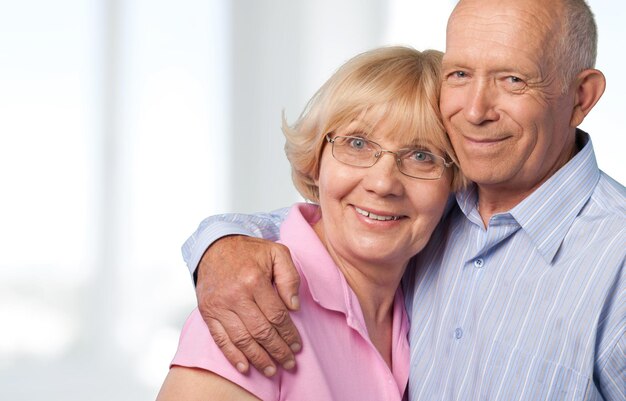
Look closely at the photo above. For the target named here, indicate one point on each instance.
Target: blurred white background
(124, 123)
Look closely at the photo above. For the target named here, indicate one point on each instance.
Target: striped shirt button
(458, 333)
(479, 263)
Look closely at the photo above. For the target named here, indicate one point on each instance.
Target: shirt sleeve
(197, 349)
(610, 372)
(261, 225)
(613, 376)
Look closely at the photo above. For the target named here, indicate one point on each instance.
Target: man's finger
(232, 353)
(238, 292)
(286, 277)
(263, 332)
(232, 332)
(278, 316)
(248, 345)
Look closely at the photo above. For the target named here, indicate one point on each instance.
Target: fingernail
(269, 371)
(241, 367)
(289, 364)
(295, 302)
(295, 347)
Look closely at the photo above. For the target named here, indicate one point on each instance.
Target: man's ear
(589, 88)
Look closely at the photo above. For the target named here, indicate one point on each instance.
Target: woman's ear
(589, 88)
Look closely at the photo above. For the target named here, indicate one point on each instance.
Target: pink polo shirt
(338, 360)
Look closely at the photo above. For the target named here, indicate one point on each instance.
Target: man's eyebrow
(456, 63)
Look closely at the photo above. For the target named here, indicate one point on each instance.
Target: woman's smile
(380, 216)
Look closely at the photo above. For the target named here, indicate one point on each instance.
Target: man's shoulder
(609, 197)
(602, 220)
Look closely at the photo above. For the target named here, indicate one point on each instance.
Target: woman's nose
(384, 177)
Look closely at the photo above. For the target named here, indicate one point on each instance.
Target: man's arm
(612, 378)
(610, 370)
(260, 225)
(246, 317)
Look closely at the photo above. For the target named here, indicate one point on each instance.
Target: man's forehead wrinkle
(531, 20)
(495, 27)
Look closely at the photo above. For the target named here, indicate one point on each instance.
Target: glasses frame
(331, 137)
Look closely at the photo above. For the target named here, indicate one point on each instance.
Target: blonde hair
(402, 80)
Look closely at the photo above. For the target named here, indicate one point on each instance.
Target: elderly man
(521, 292)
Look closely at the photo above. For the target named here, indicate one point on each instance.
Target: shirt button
(458, 333)
(479, 263)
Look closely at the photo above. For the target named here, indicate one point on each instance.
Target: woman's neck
(377, 308)
(375, 283)
(375, 286)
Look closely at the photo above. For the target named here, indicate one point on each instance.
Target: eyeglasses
(361, 152)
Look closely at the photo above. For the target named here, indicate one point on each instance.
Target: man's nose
(481, 102)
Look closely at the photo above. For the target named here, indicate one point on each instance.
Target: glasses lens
(360, 152)
(355, 151)
(421, 164)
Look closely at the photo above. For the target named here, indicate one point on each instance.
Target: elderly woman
(371, 153)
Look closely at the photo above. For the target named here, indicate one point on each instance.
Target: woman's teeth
(375, 216)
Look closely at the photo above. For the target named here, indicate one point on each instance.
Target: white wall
(123, 123)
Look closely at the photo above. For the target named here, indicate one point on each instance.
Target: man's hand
(246, 317)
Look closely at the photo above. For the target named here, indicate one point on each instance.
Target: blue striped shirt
(531, 308)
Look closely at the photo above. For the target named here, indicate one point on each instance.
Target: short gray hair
(576, 49)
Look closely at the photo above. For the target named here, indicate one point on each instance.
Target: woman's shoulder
(197, 349)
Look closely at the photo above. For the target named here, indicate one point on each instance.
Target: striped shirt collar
(548, 213)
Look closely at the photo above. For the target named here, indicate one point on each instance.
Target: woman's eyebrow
(428, 147)
(360, 127)
(361, 123)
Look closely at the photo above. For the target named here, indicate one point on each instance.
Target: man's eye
(515, 82)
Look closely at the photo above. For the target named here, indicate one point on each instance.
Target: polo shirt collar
(327, 285)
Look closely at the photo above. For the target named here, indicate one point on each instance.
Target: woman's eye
(358, 143)
(420, 156)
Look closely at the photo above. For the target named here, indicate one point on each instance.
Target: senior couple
(513, 290)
